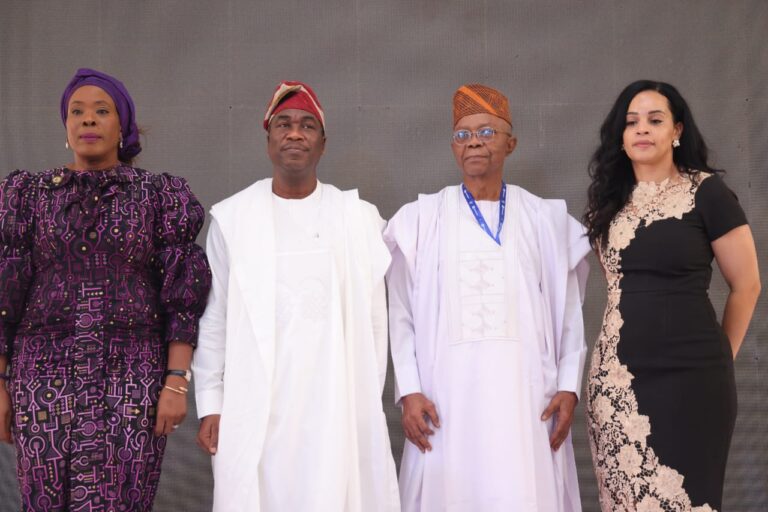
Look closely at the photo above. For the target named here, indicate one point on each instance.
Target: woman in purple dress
(103, 286)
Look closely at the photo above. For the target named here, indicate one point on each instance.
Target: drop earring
(676, 143)
(66, 144)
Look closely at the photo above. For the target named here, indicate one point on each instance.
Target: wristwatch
(187, 374)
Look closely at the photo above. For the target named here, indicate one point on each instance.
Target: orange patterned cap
(479, 99)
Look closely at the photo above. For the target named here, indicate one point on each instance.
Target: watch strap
(186, 374)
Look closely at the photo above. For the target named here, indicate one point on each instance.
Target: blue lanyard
(479, 216)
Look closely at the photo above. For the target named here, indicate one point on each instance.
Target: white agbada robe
(489, 333)
(292, 353)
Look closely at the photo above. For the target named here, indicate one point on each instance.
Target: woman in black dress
(661, 395)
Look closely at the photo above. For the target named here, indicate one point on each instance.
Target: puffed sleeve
(17, 199)
(719, 208)
(181, 264)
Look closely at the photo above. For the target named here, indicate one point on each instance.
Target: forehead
(295, 114)
(91, 94)
(646, 101)
(475, 121)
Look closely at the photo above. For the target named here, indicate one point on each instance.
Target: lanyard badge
(479, 216)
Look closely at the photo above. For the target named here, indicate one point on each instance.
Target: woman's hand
(5, 414)
(171, 407)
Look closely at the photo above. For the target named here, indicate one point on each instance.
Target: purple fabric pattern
(100, 272)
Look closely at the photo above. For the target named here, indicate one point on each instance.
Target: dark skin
(93, 134)
(172, 406)
(93, 129)
(6, 436)
(482, 165)
(295, 143)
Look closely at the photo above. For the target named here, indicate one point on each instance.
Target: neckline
(659, 186)
(650, 192)
(312, 197)
(61, 176)
(114, 167)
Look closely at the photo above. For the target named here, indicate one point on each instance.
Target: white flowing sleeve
(573, 350)
(379, 323)
(379, 298)
(208, 362)
(400, 236)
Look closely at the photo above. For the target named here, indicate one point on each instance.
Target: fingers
(5, 429)
(551, 409)
(203, 437)
(167, 424)
(5, 434)
(208, 434)
(560, 434)
(563, 409)
(417, 412)
(418, 436)
(159, 426)
(200, 440)
(214, 445)
(163, 425)
(171, 411)
(432, 413)
(421, 431)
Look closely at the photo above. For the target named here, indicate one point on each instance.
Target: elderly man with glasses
(485, 293)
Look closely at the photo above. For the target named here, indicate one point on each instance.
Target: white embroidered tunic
(489, 333)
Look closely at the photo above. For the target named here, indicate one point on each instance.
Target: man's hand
(208, 435)
(561, 405)
(171, 407)
(417, 411)
(5, 415)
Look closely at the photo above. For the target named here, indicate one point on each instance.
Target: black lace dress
(661, 395)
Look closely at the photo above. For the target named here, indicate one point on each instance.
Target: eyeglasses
(484, 134)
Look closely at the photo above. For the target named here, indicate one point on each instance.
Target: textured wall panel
(201, 74)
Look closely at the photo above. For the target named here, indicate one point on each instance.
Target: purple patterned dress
(99, 272)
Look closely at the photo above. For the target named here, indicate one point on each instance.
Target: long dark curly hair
(611, 169)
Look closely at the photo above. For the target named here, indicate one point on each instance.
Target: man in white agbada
(292, 354)
(485, 294)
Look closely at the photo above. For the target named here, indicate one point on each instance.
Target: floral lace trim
(629, 474)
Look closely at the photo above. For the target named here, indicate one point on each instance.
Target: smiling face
(478, 159)
(93, 128)
(649, 131)
(295, 142)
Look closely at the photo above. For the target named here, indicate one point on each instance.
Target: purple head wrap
(123, 103)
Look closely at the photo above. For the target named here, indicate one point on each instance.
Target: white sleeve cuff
(406, 381)
(209, 402)
(569, 372)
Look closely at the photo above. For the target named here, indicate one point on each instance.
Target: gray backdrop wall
(201, 73)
